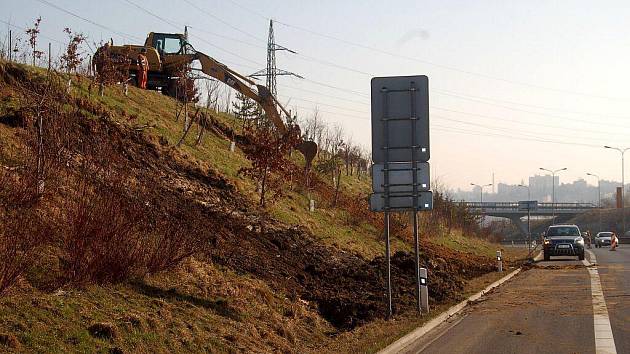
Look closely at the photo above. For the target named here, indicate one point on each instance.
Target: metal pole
(623, 186)
(553, 198)
(389, 269)
(386, 180)
(599, 202)
(529, 232)
(49, 56)
(481, 203)
(417, 249)
(412, 108)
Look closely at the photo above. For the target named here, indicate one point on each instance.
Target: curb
(411, 337)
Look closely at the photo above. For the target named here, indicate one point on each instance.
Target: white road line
(604, 341)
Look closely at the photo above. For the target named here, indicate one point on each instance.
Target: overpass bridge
(511, 210)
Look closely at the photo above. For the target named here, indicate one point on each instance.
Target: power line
(512, 137)
(87, 20)
(179, 26)
(152, 14)
(438, 65)
(443, 92)
(506, 130)
(41, 35)
(223, 21)
(446, 67)
(337, 88)
(590, 131)
(460, 96)
(321, 94)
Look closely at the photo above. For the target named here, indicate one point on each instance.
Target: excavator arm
(261, 95)
(244, 85)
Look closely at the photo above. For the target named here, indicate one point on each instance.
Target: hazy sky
(505, 77)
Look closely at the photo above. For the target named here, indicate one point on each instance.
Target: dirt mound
(347, 289)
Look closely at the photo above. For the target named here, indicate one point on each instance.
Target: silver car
(603, 239)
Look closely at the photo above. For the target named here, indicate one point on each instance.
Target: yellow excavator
(168, 53)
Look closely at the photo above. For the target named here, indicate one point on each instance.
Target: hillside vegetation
(114, 238)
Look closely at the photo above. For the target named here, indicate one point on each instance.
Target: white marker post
(424, 290)
(499, 262)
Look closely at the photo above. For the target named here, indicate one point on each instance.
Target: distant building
(542, 187)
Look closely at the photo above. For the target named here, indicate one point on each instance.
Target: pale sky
(505, 77)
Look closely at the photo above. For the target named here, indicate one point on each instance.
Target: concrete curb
(411, 337)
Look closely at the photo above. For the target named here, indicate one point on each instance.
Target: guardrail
(515, 206)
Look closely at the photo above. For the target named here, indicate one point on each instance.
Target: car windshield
(604, 234)
(563, 231)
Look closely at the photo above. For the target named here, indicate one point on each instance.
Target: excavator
(168, 53)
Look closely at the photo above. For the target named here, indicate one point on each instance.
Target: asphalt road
(546, 309)
(614, 272)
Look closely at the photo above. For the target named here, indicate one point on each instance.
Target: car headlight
(579, 240)
(546, 241)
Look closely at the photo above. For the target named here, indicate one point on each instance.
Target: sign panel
(400, 119)
(525, 205)
(401, 177)
(402, 201)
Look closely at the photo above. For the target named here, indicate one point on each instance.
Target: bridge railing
(514, 206)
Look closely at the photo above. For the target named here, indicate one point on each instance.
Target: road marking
(407, 340)
(604, 340)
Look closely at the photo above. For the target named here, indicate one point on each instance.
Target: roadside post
(424, 288)
(400, 151)
(499, 262)
(528, 205)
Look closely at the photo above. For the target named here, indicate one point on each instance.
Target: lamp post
(481, 187)
(623, 214)
(529, 229)
(599, 197)
(553, 191)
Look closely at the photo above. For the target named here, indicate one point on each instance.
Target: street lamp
(481, 187)
(599, 197)
(529, 194)
(553, 192)
(623, 214)
(529, 229)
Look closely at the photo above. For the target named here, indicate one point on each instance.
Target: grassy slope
(159, 111)
(201, 306)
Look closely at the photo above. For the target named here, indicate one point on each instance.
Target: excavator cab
(166, 43)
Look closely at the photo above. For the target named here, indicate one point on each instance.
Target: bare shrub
(21, 228)
(72, 58)
(176, 236)
(102, 242)
(268, 153)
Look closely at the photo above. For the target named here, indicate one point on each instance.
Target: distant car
(563, 240)
(603, 239)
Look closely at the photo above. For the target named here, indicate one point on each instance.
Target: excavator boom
(244, 85)
(261, 95)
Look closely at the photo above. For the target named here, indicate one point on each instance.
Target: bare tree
(228, 98)
(33, 33)
(212, 94)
